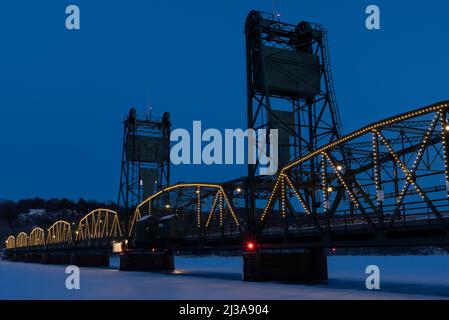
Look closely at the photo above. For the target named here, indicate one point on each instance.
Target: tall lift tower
(145, 160)
(290, 88)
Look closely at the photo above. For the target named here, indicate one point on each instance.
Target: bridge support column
(34, 258)
(19, 257)
(147, 261)
(8, 255)
(56, 258)
(90, 259)
(307, 266)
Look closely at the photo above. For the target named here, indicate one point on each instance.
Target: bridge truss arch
(394, 180)
(22, 240)
(60, 233)
(205, 211)
(101, 224)
(10, 242)
(37, 237)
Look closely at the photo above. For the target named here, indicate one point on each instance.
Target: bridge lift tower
(290, 88)
(145, 160)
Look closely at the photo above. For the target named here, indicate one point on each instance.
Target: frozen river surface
(211, 278)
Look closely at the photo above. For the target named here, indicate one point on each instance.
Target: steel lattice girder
(394, 183)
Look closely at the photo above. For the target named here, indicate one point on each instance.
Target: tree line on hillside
(10, 210)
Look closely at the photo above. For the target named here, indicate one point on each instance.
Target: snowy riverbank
(409, 277)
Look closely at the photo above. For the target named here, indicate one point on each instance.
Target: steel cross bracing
(353, 183)
(395, 192)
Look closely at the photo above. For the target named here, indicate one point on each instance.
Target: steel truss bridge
(386, 184)
(98, 229)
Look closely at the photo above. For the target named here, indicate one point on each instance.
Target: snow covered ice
(408, 277)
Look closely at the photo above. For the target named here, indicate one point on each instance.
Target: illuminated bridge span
(37, 238)
(386, 184)
(10, 242)
(99, 226)
(192, 214)
(60, 233)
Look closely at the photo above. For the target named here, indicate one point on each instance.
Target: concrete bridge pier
(304, 266)
(34, 257)
(147, 261)
(8, 255)
(19, 257)
(56, 258)
(89, 259)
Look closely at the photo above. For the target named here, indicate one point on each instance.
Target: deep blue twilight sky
(64, 94)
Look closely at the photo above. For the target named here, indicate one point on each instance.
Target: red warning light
(334, 250)
(250, 246)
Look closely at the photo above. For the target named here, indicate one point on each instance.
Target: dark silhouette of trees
(10, 210)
